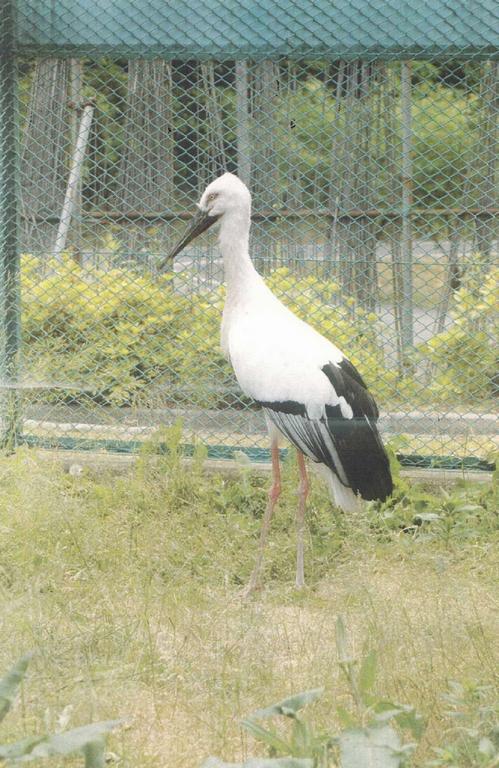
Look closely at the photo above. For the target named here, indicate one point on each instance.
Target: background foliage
(130, 338)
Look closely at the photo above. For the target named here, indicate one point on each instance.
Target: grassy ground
(129, 590)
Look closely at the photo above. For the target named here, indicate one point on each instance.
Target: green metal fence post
(406, 244)
(9, 252)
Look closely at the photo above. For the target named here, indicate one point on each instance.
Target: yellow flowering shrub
(466, 355)
(121, 337)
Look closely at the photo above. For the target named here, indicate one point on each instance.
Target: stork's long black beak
(199, 223)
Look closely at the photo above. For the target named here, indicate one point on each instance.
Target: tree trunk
(146, 173)
(44, 152)
(393, 198)
(216, 160)
(485, 169)
(76, 101)
(264, 158)
(353, 240)
(243, 141)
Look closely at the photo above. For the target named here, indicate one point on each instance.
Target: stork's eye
(212, 196)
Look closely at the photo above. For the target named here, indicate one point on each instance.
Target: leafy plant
(462, 512)
(368, 736)
(464, 356)
(118, 337)
(475, 729)
(87, 740)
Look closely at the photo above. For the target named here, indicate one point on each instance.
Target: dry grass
(128, 588)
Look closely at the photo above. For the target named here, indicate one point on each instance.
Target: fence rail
(269, 214)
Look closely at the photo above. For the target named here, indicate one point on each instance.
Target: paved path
(123, 423)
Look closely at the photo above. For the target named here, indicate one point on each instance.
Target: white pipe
(73, 181)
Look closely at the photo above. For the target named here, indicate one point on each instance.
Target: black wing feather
(357, 440)
(352, 448)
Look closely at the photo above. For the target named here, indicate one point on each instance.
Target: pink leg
(274, 493)
(303, 490)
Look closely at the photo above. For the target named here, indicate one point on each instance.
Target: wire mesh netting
(372, 163)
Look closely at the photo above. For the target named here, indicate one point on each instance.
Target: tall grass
(128, 589)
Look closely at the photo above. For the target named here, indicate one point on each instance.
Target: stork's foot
(255, 579)
(303, 490)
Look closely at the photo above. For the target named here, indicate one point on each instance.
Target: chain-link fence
(368, 136)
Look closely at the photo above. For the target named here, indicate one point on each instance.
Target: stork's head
(226, 196)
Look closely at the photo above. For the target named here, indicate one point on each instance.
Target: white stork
(308, 389)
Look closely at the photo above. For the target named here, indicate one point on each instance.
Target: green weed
(367, 736)
(87, 740)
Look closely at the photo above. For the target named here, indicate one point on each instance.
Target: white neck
(240, 274)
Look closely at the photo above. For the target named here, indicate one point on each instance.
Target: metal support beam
(9, 250)
(406, 242)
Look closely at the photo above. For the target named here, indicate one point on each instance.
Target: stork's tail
(342, 497)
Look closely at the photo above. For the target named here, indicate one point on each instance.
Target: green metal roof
(228, 29)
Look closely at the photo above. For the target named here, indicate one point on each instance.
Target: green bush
(465, 356)
(120, 337)
(129, 338)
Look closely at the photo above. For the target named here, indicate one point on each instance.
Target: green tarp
(229, 29)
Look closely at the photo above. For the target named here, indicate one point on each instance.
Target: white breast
(277, 357)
